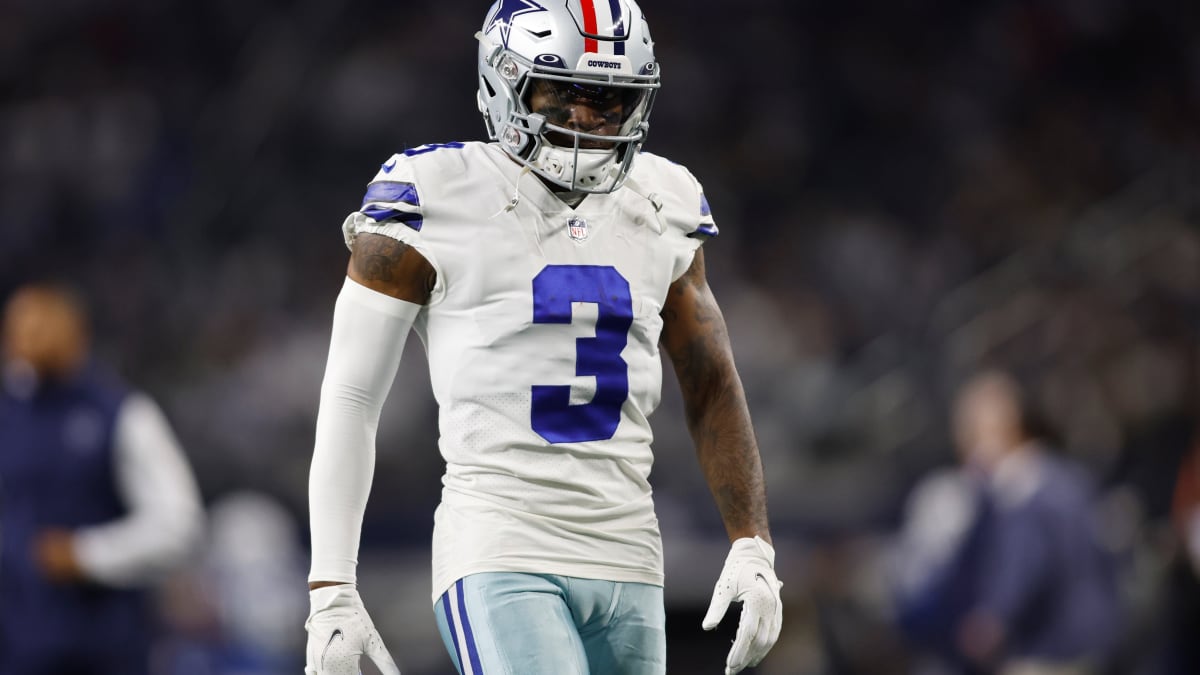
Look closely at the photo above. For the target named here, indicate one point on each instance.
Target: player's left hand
(749, 578)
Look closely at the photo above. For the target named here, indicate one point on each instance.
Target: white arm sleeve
(165, 519)
(369, 332)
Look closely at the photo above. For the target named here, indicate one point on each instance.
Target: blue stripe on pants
(472, 650)
(453, 632)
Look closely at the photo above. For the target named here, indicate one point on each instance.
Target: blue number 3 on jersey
(553, 416)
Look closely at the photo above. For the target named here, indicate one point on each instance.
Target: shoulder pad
(394, 194)
(683, 204)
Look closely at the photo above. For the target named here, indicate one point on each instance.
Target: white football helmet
(596, 50)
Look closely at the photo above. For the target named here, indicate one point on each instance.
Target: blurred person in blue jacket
(96, 498)
(1001, 566)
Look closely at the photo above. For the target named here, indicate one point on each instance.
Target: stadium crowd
(907, 193)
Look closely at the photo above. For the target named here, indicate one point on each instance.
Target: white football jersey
(542, 336)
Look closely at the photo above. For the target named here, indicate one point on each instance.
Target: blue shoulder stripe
(386, 191)
(381, 214)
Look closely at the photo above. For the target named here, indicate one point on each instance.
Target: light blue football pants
(505, 623)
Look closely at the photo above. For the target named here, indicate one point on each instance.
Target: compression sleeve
(165, 519)
(369, 332)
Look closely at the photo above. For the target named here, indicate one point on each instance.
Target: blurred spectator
(96, 499)
(256, 564)
(1182, 651)
(934, 566)
(1006, 565)
(234, 610)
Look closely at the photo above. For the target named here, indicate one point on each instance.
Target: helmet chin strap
(516, 198)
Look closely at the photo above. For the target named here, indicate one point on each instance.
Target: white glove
(749, 578)
(339, 632)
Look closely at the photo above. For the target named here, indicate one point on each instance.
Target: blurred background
(907, 192)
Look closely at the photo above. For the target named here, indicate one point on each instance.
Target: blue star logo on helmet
(509, 10)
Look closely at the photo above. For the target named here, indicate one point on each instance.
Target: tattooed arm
(695, 337)
(384, 264)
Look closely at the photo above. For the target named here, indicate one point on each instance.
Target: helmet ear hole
(487, 85)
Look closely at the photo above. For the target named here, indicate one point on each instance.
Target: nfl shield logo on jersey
(577, 228)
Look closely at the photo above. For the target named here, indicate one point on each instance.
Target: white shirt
(165, 518)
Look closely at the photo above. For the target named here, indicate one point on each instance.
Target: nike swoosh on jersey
(387, 168)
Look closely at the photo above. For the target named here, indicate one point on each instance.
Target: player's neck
(569, 197)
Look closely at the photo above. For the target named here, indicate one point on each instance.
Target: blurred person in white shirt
(97, 500)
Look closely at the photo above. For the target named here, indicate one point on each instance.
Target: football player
(542, 272)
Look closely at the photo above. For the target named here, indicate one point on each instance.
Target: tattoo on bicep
(377, 257)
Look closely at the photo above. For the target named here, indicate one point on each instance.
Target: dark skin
(694, 336)
(391, 267)
(588, 111)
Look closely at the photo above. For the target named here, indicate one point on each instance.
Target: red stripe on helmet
(589, 26)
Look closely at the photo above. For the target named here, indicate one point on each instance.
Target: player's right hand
(340, 632)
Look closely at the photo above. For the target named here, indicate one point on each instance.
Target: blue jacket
(57, 470)
(1029, 556)
(1044, 572)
